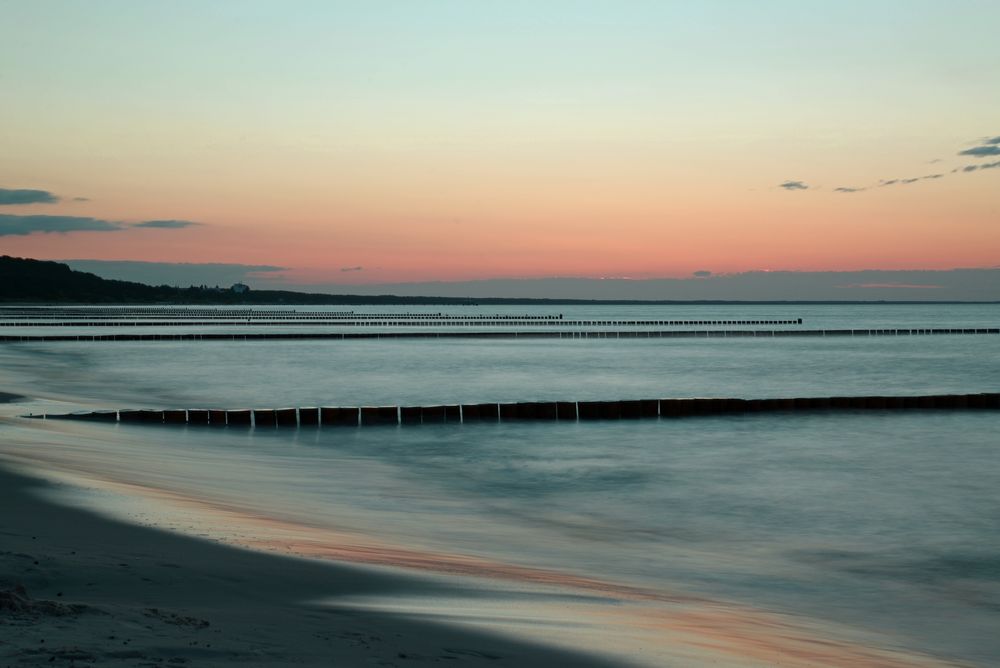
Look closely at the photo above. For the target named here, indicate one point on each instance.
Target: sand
(78, 589)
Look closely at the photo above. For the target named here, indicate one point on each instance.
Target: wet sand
(79, 589)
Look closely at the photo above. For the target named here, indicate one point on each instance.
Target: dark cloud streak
(166, 224)
(14, 225)
(990, 146)
(21, 225)
(11, 197)
(982, 151)
(987, 165)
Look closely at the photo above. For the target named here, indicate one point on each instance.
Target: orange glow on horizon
(670, 237)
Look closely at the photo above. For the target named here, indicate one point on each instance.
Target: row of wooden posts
(39, 313)
(392, 322)
(578, 334)
(529, 411)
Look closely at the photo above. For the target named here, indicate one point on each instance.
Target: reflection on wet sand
(644, 625)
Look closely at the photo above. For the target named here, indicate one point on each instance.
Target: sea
(875, 527)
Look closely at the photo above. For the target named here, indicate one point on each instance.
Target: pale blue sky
(795, 62)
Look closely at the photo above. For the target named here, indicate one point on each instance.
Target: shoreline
(79, 576)
(308, 600)
(77, 587)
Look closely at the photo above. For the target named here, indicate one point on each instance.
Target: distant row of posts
(575, 334)
(392, 322)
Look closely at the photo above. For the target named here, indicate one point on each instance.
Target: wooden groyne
(582, 411)
(164, 312)
(393, 322)
(575, 334)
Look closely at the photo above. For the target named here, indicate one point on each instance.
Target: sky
(377, 142)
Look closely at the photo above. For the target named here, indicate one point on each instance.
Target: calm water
(886, 522)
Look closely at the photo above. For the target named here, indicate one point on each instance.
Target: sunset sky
(379, 141)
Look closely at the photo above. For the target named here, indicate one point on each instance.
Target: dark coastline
(28, 282)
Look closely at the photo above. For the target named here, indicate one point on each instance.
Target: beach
(805, 539)
(81, 589)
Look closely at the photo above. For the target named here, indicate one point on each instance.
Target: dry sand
(78, 589)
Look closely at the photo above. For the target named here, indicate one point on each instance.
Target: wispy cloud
(20, 225)
(988, 146)
(167, 224)
(10, 196)
(982, 151)
(976, 168)
(358, 268)
(14, 225)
